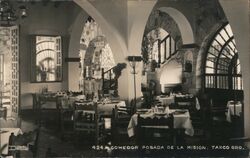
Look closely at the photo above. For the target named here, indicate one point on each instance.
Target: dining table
(166, 100)
(234, 108)
(5, 134)
(181, 120)
(106, 108)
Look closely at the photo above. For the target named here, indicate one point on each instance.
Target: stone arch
(167, 23)
(116, 42)
(182, 22)
(76, 31)
(114, 39)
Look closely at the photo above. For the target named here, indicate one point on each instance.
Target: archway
(180, 33)
(115, 40)
(96, 59)
(182, 22)
(220, 74)
(238, 17)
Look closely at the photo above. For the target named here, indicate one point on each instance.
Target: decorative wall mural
(9, 83)
(95, 56)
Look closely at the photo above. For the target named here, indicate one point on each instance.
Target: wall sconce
(133, 60)
(188, 66)
(23, 11)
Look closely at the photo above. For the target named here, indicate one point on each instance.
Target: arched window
(159, 46)
(222, 69)
(95, 52)
(96, 58)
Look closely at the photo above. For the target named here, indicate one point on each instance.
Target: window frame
(216, 79)
(33, 77)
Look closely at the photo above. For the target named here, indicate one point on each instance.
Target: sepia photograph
(124, 78)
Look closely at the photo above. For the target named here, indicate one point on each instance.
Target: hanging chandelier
(8, 14)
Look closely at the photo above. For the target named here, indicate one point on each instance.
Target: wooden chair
(49, 110)
(186, 103)
(119, 124)
(152, 131)
(89, 122)
(35, 98)
(36, 105)
(66, 117)
(66, 122)
(29, 139)
(132, 106)
(219, 127)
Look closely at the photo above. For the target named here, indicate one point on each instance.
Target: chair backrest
(29, 139)
(35, 98)
(120, 116)
(119, 124)
(87, 111)
(155, 130)
(86, 105)
(118, 111)
(185, 102)
(162, 121)
(88, 118)
(132, 106)
(74, 93)
(43, 99)
(217, 109)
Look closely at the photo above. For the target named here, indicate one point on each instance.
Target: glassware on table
(167, 109)
(161, 109)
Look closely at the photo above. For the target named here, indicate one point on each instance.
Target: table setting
(181, 118)
(167, 100)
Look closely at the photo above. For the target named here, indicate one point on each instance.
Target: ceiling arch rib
(115, 40)
(182, 22)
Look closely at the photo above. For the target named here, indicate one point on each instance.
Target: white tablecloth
(108, 107)
(4, 137)
(180, 121)
(167, 100)
(233, 109)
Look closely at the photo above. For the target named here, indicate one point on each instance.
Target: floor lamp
(133, 60)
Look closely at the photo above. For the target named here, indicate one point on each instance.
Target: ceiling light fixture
(8, 15)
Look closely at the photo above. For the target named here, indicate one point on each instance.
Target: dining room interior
(124, 78)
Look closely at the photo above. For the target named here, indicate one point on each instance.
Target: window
(95, 52)
(222, 63)
(167, 48)
(48, 59)
(159, 45)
